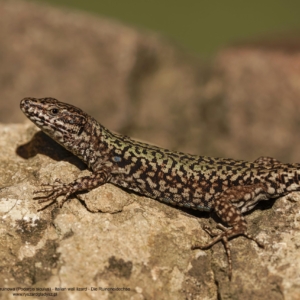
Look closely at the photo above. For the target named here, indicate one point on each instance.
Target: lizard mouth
(26, 104)
(32, 109)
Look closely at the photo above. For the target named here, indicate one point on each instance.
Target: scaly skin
(228, 187)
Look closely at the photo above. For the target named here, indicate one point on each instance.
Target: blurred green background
(202, 27)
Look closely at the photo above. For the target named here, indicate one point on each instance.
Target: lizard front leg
(228, 207)
(53, 191)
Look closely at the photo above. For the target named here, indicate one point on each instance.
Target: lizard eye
(54, 111)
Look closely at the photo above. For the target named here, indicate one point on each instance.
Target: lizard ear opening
(75, 119)
(80, 130)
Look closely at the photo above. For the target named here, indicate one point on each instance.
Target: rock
(254, 89)
(115, 239)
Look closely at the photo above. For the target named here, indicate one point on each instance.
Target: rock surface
(108, 238)
(257, 88)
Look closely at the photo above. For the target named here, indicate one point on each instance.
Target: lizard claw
(52, 192)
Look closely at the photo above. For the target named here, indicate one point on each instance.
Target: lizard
(228, 187)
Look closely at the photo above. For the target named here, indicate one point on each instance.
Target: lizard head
(63, 122)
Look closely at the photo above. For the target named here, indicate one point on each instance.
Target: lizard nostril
(24, 101)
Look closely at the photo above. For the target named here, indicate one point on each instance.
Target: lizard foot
(53, 191)
(224, 237)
